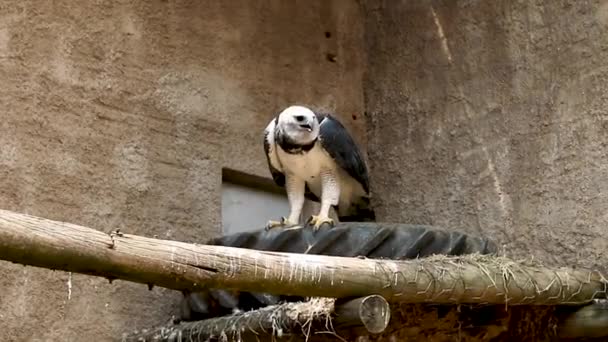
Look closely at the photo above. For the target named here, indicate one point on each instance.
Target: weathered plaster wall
(483, 116)
(121, 114)
(492, 117)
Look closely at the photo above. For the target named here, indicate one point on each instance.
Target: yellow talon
(317, 222)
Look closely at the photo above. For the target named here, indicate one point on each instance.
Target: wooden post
(370, 312)
(443, 280)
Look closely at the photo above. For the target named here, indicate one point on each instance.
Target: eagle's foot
(283, 223)
(317, 221)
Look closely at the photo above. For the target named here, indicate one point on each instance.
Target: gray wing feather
(277, 176)
(336, 140)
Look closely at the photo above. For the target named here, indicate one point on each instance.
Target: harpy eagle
(313, 156)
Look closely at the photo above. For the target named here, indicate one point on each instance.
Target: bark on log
(444, 280)
(371, 312)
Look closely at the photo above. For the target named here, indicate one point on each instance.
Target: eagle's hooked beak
(307, 127)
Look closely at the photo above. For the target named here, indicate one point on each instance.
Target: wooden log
(181, 266)
(588, 322)
(370, 312)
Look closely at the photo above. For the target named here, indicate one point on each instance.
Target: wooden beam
(370, 312)
(176, 265)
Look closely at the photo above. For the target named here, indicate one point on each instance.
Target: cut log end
(373, 312)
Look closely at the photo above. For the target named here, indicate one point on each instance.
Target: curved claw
(283, 223)
(317, 222)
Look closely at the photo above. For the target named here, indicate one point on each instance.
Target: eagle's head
(299, 124)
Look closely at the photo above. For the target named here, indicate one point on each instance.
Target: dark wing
(336, 140)
(277, 176)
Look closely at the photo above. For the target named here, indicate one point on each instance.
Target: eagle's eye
(299, 118)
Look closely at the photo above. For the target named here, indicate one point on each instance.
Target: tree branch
(176, 265)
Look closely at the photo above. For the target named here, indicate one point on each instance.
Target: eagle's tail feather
(359, 212)
(367, 216)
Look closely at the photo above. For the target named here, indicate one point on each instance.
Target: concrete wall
(122, 114)
(492, 117)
